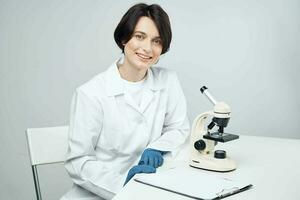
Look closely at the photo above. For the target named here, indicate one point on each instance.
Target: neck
(131, 74)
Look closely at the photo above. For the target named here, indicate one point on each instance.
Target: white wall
(246, 52)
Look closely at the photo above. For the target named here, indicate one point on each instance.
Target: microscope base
(208, 162)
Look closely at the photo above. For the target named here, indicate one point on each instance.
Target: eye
(157, 41)
(139, 36)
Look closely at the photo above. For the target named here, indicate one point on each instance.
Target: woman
(125, 119)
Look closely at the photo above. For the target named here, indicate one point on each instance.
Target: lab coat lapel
(130, 101)
(113, 79)
(147, 99)
(115, 87)
(152, 86)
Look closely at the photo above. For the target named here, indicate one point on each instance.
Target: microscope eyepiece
(202, 89)
(205, 91)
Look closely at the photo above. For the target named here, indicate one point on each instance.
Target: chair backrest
(47, 145)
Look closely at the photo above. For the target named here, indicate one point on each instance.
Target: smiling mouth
(144, 57)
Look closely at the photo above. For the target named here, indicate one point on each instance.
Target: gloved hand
(152, 157)
(139, 169)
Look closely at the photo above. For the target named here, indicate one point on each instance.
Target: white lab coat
(108, 131)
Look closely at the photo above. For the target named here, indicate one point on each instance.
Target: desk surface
(272, 165)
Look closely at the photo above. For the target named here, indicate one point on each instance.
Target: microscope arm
(199, 130)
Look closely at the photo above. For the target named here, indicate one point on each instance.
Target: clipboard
(193, 183)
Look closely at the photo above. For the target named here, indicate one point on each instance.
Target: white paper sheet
(192, 182)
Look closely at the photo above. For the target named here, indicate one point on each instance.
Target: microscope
(204, 139)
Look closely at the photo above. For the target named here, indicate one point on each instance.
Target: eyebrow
(143, 33)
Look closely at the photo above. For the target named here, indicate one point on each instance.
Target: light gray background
(246, 52)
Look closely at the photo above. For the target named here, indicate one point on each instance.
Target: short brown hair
(126, 26)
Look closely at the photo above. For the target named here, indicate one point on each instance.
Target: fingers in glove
(141, 162)
(151, 161)
(156, 161)
(160, 161)
(148, 169)
(146, 160)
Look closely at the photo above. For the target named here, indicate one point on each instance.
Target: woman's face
(145, 46)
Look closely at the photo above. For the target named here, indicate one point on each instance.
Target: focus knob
(220, 154)
(199, 145)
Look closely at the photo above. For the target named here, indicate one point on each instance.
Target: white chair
(46, 146)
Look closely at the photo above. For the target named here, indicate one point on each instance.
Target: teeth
(142, 56)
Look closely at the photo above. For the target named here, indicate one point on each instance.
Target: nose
(147, 46)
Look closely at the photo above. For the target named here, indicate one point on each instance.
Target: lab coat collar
(115, 85)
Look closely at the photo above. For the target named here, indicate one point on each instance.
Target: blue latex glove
(152, 157)
(139, 169)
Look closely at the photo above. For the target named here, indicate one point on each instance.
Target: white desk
(272, 165)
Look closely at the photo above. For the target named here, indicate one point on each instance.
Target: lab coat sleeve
(176, 126)
(81, 163)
